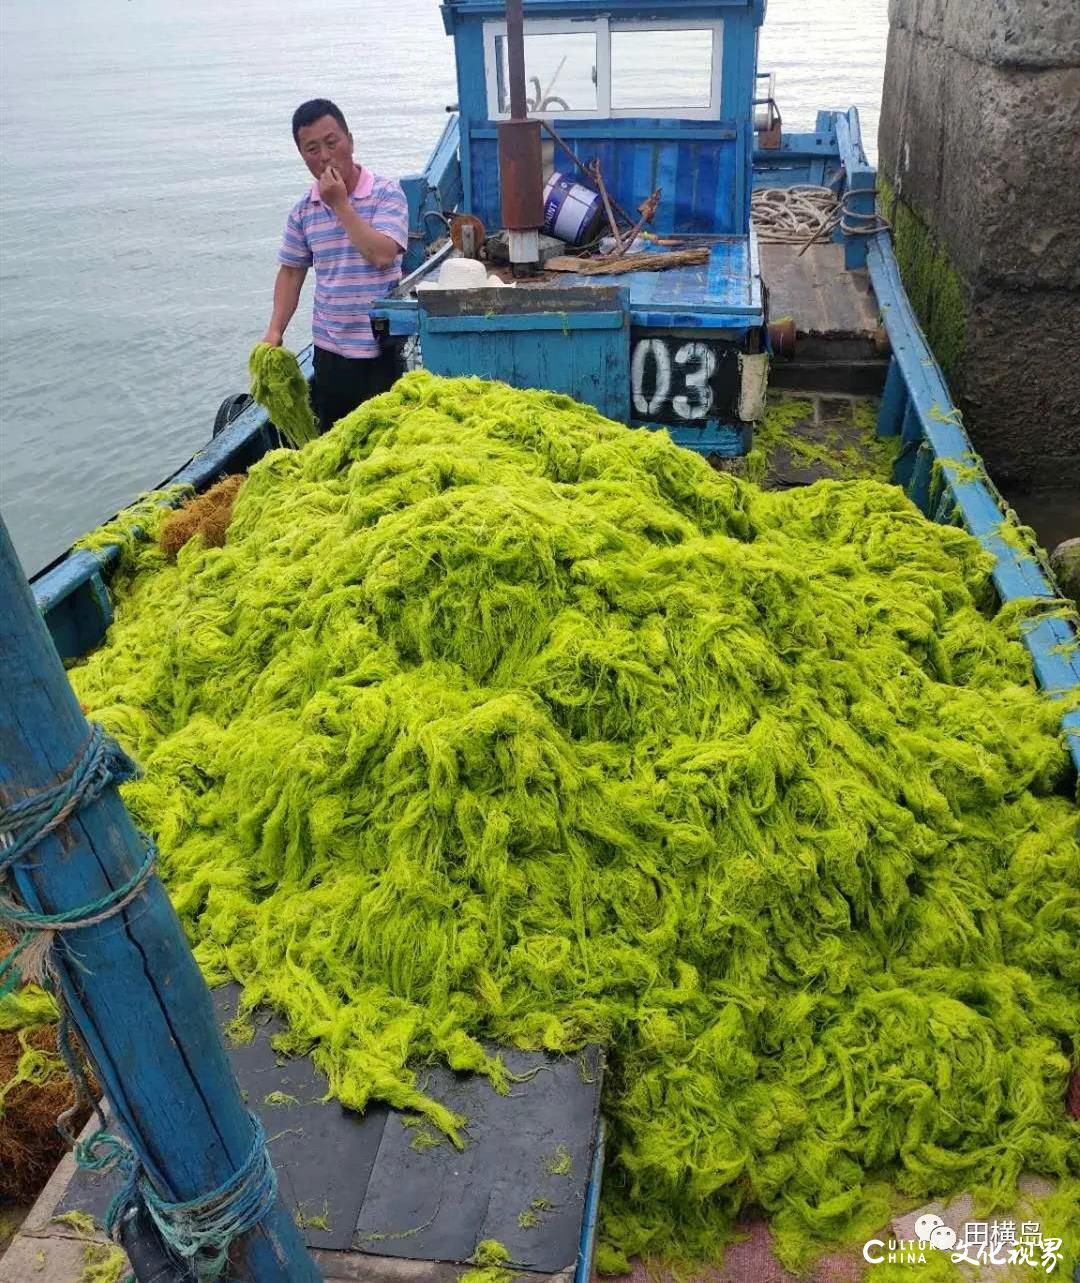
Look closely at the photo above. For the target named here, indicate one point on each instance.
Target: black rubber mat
(380, 1184)
(521, 1178)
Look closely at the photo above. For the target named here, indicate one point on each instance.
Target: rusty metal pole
(515, 58)
(521, 166)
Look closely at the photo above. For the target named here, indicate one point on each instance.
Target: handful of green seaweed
(493, 719)
(279, 386)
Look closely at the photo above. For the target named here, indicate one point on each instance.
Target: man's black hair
(311, 111)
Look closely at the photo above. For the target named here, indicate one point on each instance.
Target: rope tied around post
(199, 1230)
(25, 823)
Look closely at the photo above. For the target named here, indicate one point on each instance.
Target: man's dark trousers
(341, 383)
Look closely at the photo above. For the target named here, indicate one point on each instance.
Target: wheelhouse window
(604, 68)
(560, 73)
(682, 79)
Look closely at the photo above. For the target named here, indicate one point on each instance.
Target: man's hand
(332, 188)
(273, 337)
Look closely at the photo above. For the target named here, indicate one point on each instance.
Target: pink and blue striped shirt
(346, 284)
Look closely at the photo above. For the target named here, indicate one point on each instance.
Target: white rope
(792, 215)
(801, 215)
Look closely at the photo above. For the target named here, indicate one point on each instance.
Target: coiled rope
(200, 1230)
(802, 215)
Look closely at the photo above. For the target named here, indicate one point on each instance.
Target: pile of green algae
(495, 720)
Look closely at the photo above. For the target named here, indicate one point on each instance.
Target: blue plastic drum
(571, 212)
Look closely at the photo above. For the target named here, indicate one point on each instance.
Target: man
(353, 227)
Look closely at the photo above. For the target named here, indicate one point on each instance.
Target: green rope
(101, 762)
(199, 1230)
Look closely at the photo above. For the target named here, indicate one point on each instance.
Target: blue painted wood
(861, 182)
(801, 157)
(703, 167)
(443, 170)
(727, 439)
(933, 419)
(725, 290)
(911, 428)
(893, 403)
(142, 1008)
(510, 323)
(626, 130)
(456, 12)
(585, 355)
(416, 195)
(918, 487)
(79, 606)
(634, 164)
(802, 146)
(436, 190)
(721, 326)
(723, 294)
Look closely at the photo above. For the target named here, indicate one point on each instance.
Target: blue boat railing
(71, 593)
(939, 467)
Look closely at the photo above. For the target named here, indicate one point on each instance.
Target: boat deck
(840, 345)
(383, 1195)
(817, 292)
(724, 291)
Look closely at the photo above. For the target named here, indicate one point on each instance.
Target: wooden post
(139, 1001)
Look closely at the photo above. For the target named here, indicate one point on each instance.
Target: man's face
(325, 143)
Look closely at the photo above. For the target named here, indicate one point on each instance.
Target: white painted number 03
(696, 364)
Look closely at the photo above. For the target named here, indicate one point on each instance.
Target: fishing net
(494, 720)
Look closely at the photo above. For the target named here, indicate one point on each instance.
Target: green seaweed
(81, 1222)
(533, 1216)
(279, 1100)
(489, 1264)
(26, 1008)
(279, 386)
(965, 469)
(34, 1066)
(559, 1163)
(240, 1031)
(134, 531)
(9, 1226)
(789, 427)
(304, 1220)
(103, 1263)
(425, 1140)
(937, 293)
(497, 722)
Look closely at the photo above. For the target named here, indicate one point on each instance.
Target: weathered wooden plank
(817, 291)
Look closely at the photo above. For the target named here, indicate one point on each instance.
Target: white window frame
(602, 29)
(597, 27)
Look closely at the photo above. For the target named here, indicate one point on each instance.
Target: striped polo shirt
(346, 284)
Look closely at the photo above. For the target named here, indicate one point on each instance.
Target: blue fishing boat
(652, 242)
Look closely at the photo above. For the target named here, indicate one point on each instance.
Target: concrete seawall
(980, 146)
